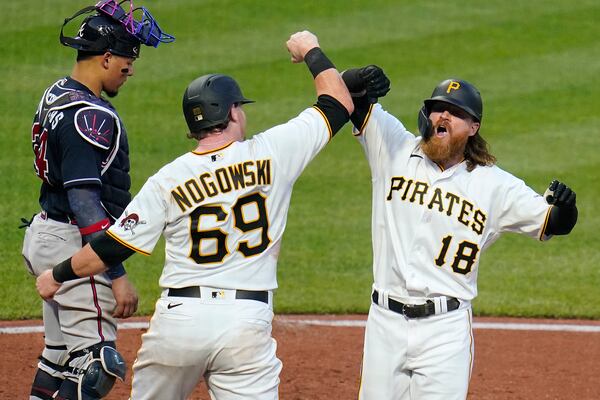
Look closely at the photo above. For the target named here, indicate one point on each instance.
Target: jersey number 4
(39, 140)
(260, 223)
(464, 257)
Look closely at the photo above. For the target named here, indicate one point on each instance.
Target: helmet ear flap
(424, 123)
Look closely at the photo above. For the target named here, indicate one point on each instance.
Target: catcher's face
(118, 69)
(452, 128)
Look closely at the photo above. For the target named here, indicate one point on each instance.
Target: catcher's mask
(113, 29)
(208, 99)
(453, 91)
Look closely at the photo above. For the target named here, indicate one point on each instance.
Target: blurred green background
(536, 63)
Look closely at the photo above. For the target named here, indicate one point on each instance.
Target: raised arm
(304, 46)
(366, 85)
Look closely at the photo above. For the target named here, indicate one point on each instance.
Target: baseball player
(222, 209)
(82, 158)
(438, 201)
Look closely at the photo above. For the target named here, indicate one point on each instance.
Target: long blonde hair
(477, 152)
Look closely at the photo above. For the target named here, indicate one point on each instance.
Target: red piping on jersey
(213, 150)
(98, 226)
(98, 309)
(325, 118)
(124, 243)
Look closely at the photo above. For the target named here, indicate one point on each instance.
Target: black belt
(194, 291)
(415, 310)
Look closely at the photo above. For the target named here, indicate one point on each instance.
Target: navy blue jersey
(78, 139)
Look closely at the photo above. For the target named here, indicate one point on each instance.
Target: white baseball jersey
(429, 225)
(223, 213)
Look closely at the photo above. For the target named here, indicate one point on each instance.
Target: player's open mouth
(441, 131)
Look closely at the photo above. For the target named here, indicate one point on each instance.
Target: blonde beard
(440, 151)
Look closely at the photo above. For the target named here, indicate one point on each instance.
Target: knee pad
(99, 374)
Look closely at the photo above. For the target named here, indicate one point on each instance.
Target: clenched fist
(369, 80)
(300, 43)
(560, 195)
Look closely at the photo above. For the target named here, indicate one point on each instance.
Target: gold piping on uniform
(470, 319)
(124, 243)
(213, 150)
(326, 120)
(545, 223)
(364, 124)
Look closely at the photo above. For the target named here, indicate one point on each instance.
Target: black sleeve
(362, 108)
(110, 251)
(334, 111)
(561, 220)
(86, 206)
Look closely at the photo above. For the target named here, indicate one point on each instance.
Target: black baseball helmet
(208, 99)
(460, 93)
(99, 33)
(454, 91)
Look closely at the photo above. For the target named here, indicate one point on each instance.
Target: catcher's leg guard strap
(51, 368)
(44, 386)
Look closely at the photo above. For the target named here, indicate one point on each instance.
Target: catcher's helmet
(454, 91)
(100, 33)
(208, 99)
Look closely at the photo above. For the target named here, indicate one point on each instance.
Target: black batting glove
(369, 81)
(378, 83)
(355, 84)
(560, 195)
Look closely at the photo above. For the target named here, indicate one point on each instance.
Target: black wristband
(317, 61)
(64, 271)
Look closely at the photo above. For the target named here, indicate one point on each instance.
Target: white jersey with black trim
(223, 213)
(430, 225)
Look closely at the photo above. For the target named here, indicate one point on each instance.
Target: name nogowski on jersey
(223, 213)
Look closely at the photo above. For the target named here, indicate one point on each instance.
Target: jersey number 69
(261, 222)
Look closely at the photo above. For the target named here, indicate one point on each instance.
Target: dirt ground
(323, 362)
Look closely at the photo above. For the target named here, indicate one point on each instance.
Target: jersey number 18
(466, 253)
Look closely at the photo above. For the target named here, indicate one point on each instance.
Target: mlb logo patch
(197, 111)
(218, 294)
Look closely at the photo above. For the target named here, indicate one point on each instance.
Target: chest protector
(110, 139)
